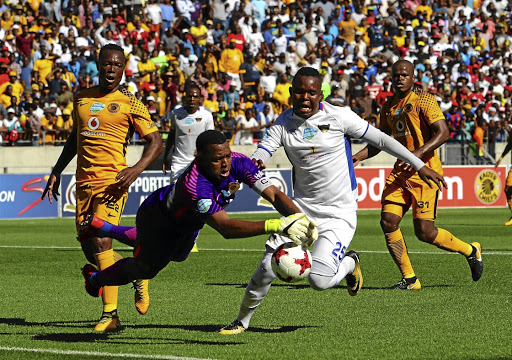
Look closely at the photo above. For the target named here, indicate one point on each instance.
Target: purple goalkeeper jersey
(193, 198)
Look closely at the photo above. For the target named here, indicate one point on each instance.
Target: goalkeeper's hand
(295, 227)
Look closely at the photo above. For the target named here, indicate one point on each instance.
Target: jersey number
(339, 251)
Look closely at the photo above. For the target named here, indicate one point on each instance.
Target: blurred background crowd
(244, 53)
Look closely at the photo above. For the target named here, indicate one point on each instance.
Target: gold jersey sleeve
(409, 121)
(104, 125)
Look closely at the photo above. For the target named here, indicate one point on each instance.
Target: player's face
(193, 100)
(403, 78)
(216, 162)
(111, 68)
(306, 93)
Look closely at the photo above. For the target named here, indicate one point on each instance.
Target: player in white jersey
(313, 135)
(187, 123)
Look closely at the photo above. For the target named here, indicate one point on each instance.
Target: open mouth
(224, 173)
(110, 79)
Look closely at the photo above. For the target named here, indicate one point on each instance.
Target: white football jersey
(187, 127)
(324, 181)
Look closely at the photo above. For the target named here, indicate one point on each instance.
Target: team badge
(408, 108)
(324, 128)
(487, 186)
(233, 187)
(113, 108)
(96, 107)
(199, 119)
(189, 121)
(93, 123)
(203, 205)
(309, 133)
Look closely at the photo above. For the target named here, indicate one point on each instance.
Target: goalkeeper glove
(295, 227)
(312, 235)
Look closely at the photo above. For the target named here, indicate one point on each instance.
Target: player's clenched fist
(294, 226)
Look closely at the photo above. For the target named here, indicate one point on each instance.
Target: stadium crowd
(244, 54)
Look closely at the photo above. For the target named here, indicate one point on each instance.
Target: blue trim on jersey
(351, 172)
(367, 127)
(321, 107)
(264, 148)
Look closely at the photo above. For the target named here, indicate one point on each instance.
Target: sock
(121, 273)
(257, 288)
(109, 296)
(125, 234)
(398, 250)
(323, 278)
(446, 241)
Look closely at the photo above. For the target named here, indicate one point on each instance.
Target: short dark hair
(209, 137)
(193, 85)
(307, 71)
(113, 47)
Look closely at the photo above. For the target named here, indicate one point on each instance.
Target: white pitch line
(252, 250)
(96, 353)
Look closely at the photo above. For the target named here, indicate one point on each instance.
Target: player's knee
(388, 226)
(319, 282)
(102, 244)
(425, 235)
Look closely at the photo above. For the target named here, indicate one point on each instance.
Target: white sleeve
(209, 121)
(385, 142)
(270, 143)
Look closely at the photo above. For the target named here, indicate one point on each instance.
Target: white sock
(257, 288)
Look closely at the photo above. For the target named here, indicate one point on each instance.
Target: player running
(414, 118)
(170, 219)
(103, 120)
(313, 133)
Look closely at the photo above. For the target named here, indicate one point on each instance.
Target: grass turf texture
(45, 305)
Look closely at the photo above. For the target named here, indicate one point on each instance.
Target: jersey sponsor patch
(189, 121)
(203, 205)
(93, 123)
(309, 133)
(113, 108)
(398, 112)
(96, 107)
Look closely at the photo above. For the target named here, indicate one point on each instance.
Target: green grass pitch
(46, 313)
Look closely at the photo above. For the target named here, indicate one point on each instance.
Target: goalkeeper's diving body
(313, 133)
(170, 219)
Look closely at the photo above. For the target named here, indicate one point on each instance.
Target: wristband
(272, 226)
(501, 158)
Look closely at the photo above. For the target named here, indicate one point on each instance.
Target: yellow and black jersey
(409, 119)
(105, 124)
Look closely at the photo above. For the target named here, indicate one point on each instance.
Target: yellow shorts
(106, 202)
(508, 183)
(400, 193)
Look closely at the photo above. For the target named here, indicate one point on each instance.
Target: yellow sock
(509, 202)
(109, 296)
(446, 241)
(398, 250)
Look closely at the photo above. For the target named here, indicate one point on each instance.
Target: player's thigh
(395, 199)
(425, 201)
(334, 238)
(105, 202)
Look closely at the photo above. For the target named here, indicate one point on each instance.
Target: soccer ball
(291, 263)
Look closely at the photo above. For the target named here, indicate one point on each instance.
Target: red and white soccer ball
(291, 263)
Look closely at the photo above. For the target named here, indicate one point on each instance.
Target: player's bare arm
(505, 152)
(127, 176)
(68, 153)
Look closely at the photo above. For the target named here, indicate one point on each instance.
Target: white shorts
(334, 238)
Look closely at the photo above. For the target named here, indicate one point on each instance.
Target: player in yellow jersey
(104, 118)
(413, 117)
(508, 184)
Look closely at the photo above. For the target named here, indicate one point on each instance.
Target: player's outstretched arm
(68, 153)
(127, 176)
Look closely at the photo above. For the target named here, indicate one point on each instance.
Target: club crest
(324, 128)
(199, 119)
(408, 108)
(113, 108)
(233, 187)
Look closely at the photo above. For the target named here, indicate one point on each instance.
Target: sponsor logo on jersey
(487, 186)
(199, 119)
(324, 128)
(113, 108)
(203, 205)
(96, 107)
(398, 112)
(189, 121)
(408, 108)
(93, 123)
(309, 133)
(233, 187)
(226, 193)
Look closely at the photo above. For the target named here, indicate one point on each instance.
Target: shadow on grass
(274, 285)
(422, 286)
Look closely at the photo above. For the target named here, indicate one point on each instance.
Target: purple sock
(120, 273)
(125, 234)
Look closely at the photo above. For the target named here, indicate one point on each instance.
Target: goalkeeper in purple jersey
(170, 219)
